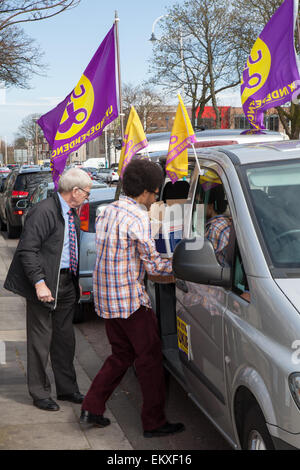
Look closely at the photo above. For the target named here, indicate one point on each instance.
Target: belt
(65, 271)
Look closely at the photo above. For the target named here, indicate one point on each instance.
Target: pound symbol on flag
(73, 115)
(78, 110)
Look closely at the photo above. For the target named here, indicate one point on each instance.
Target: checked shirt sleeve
(153, 262)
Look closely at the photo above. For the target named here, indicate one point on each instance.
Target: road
(125, 402)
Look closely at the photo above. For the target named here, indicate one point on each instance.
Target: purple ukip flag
(86, 111)
(271, 74)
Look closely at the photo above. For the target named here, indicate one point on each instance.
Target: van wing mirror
(195, 260)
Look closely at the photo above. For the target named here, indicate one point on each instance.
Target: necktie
(72, 243)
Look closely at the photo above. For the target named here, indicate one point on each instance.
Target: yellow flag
(134, 140)
(182, 135)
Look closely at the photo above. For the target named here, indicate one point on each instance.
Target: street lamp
(153, 39)
(36, 156)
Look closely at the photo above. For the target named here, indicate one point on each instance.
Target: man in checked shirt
(217, 228)
(125, 251)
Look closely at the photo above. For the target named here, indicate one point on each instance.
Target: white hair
(74, 177)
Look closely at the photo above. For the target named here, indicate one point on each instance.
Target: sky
(69, 41)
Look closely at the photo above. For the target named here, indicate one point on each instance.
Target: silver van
(231, 332)
(159, 141)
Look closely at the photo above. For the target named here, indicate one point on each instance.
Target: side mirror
(195, 260)
(22, 204)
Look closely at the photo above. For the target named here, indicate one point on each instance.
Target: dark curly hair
(141, 175)
(218, 199)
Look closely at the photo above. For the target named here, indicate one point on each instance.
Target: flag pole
(117, 19)
(298, 31)
(192, 144)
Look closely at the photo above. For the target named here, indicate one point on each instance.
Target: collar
(128, 199)
(217, 217)
(64, 205)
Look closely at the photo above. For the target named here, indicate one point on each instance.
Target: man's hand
(43, 293)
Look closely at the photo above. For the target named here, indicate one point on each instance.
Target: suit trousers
(133, 340)
(51, 332)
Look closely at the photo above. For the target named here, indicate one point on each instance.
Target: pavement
(22, 425)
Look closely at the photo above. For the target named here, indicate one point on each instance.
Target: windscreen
(275, 195)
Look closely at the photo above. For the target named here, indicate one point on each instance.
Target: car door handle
(182, 285)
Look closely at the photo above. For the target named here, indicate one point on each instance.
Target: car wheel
(255, 432)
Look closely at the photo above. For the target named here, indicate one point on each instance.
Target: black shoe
(46, 404)
(98, 420)
(168, 428)
(76, 397)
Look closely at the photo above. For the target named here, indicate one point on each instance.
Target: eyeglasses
(157, 194)
(86, 192)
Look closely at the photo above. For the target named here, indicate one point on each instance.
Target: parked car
(92, 172)
(109, 175)
(13, 166)
(19, 184)
(100, 197)
(42, 191)
(4, 171)
(231, 334)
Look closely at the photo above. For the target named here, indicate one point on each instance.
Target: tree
(28, 128)
(194, 53)
(14, 12)
(145, 99)
(248, 22)
(20, 143)
(19, 56)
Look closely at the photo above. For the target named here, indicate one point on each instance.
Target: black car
(19, 184)
(41, 192)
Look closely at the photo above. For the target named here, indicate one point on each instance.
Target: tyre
(255, 432)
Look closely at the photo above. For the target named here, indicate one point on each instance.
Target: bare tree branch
(10, 14)
(202, 63)
(20, 57)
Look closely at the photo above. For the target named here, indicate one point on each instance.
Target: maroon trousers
(133, 340)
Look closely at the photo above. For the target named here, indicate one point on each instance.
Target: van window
(240, 283)
(211, 216)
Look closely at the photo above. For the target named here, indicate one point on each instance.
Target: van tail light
(84, 215)
(18, 212)
(19, 193)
